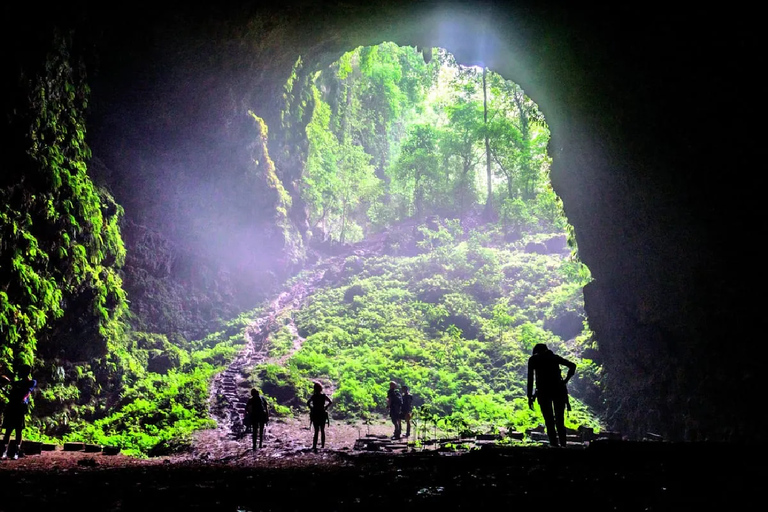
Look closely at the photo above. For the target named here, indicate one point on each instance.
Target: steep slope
(455, 320)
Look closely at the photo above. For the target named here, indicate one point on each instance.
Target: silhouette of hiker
(18, 402)
(395, 406)
(318, 404)
(407, 411)
(551, 390)
(258, 411)
(4, 381)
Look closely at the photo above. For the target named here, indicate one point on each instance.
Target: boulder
(557, 244)
(536, 248)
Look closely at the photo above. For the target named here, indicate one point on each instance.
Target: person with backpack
(395, 406)
(318, 405)
(16, 409)
(407, 410)
(257, 410)
(551, 390)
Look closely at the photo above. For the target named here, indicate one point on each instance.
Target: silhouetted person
(18, 402)
(407, 411)
(551, 390)
(4, 381)
(318, 404)
(395, 406)
(258, 411)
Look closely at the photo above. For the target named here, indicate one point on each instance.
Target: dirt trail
(229, 389)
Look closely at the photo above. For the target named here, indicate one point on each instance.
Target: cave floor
(605, 476)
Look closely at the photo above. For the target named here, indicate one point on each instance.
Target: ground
(287, 475)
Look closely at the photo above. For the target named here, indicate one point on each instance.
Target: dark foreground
(607, 476)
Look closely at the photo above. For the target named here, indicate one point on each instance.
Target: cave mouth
(396, 133)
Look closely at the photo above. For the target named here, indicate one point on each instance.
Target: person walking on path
(395, 406)
(318, 405)
(16, 410)
(407, 411)
(551, 390)
(257, 411)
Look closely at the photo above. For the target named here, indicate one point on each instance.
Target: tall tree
(489, 177)
(518, 138)
(338, 179)
(418, 165)
(459, 143)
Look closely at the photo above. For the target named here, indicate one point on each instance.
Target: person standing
(551, 390)
(407, 411)
(318, 405)
(258, 411)
(4, 381)
(395, 406)
(16, 410)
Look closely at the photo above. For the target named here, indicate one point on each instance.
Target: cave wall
(652, 138)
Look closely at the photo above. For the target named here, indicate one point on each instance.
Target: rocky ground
(221, 472)
(605, 476)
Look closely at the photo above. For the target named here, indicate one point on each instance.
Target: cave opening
(228, 143)
(391, 143)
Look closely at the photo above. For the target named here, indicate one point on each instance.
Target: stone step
(111, 450)
(74, 447)
(93, 448)
(611, 436)
(544, 438)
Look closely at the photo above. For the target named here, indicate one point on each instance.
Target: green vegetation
(163, 399)
(392, 138)
(60, 238)
(448, 164)
(456, 324)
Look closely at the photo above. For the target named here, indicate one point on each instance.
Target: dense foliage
(456, 323)
(392, 137)
(59, 236)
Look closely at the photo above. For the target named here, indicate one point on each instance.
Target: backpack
(395, 400)
(407, 403)
(258, 409)
(261, 408)
(18, 397)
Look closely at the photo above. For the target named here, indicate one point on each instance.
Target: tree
(518, 138)
(418, 165)
(459, 142)
(338, 178)
(489, 177)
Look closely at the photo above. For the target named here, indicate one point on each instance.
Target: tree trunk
(526, 143)
(343, 236)
(489, 200)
